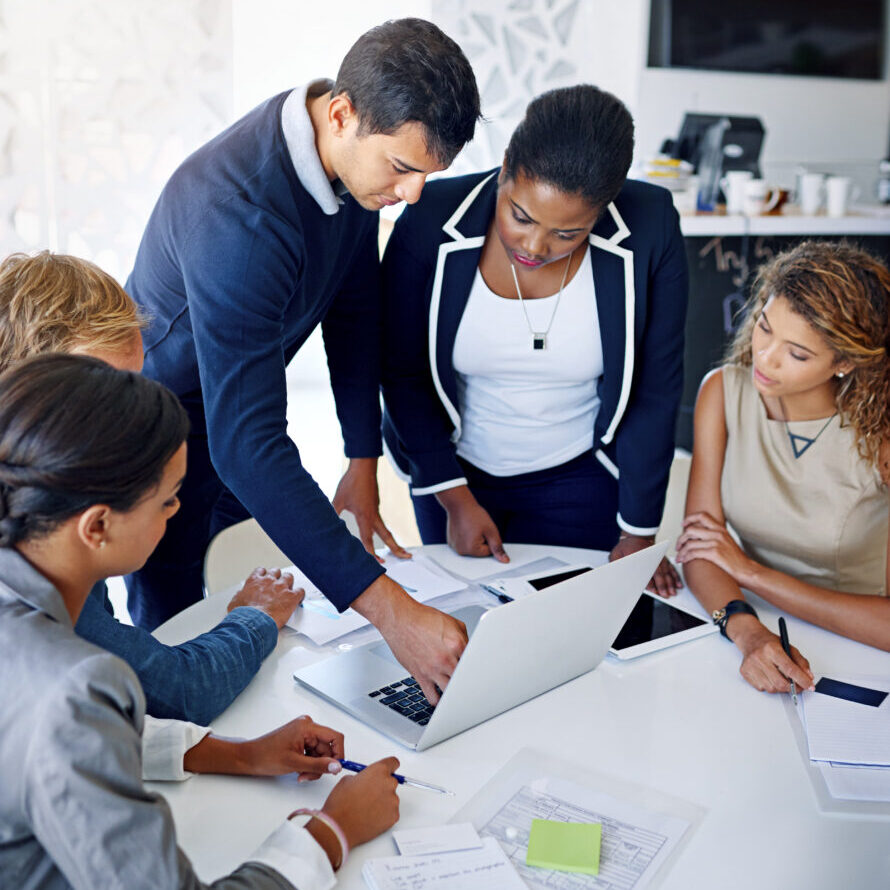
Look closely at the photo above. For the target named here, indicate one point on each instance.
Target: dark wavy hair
(579, 139)
(406, 71)
(76, 432)
(844, 293)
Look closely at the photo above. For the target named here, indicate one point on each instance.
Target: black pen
(495, 592)
(783, 636)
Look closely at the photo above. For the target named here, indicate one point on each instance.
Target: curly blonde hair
(57, 303)
(844, 293)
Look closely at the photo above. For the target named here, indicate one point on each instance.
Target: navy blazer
(641, 282)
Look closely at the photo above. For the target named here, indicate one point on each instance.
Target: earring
(840, 374)
(102, 544)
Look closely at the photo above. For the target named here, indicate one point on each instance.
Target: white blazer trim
(450, 226)
(395, 464)
(435, 299)
(611, 245)
(634, 529)
(442, 486)
(460, 243)
(607, 463)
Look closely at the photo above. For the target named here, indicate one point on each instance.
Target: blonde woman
(57, 303)
(91, 461)
(791, 450)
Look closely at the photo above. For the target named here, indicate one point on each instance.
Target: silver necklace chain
(539, 338)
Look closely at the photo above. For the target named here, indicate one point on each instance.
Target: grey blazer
(73, 811)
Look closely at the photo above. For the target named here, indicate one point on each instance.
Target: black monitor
(742, 141)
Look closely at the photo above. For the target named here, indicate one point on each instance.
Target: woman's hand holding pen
(366, 804)
(764, 662)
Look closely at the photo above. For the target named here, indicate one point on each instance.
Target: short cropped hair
(406, 71)
(57, 303)
(579, 139)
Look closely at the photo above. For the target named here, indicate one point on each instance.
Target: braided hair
(76, 432)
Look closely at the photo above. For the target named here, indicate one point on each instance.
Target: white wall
(282, 43)
(830, 124)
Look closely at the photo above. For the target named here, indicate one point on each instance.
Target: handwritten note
(484, 869)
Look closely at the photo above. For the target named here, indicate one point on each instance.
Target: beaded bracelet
(335, 828)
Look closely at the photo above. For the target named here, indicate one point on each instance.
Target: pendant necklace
(799, 444)
(539, 338)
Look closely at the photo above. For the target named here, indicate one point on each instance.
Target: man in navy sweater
(260, 235)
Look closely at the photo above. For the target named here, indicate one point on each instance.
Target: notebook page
(845, 731)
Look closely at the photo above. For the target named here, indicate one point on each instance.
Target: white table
(682, 721)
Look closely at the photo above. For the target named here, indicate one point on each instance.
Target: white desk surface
(682, 721)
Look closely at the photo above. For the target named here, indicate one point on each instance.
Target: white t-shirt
(524, 409)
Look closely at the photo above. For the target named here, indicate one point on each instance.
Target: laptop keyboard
(405, 697)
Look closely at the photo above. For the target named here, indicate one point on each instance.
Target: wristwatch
(722, 616)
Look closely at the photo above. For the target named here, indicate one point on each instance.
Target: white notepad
(847, 732)
(484, 869)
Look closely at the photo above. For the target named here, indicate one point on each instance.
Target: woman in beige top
(792, 449)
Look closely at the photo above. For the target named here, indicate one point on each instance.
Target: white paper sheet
(643, 830)
(848, 732)
(319, 620)
(483, 869)
(856, 782)
(634, 841)
(437, 839)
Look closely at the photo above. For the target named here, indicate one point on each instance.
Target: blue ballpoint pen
(354, 767)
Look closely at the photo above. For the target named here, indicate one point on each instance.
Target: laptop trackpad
(470, 616)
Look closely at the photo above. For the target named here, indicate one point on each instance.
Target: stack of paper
(319, 620)
(480, 866)
(847, 724)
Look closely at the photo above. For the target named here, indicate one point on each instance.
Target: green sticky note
(565, 846)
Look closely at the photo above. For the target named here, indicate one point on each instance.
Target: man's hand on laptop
(427, 642)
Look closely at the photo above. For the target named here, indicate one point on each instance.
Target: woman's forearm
(860, 617)
(216, 755)
(711, 585)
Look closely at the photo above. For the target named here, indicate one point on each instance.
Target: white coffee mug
(733, 185)
(810, 197)
(759, 198)
(838, 193)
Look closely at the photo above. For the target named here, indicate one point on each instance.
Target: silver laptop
(554, 635)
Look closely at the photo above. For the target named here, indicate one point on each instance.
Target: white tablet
(654, 623)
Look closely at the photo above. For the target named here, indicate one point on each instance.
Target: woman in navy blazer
(525, 228)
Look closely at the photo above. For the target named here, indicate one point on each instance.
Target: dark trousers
(571, 505)
(173, 576)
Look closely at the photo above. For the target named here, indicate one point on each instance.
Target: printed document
(319, 619)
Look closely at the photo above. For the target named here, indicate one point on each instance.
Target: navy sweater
(237, 266)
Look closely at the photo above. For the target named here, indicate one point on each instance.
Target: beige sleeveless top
(821, 517)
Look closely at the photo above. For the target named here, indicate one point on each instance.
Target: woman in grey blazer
(91, 460)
